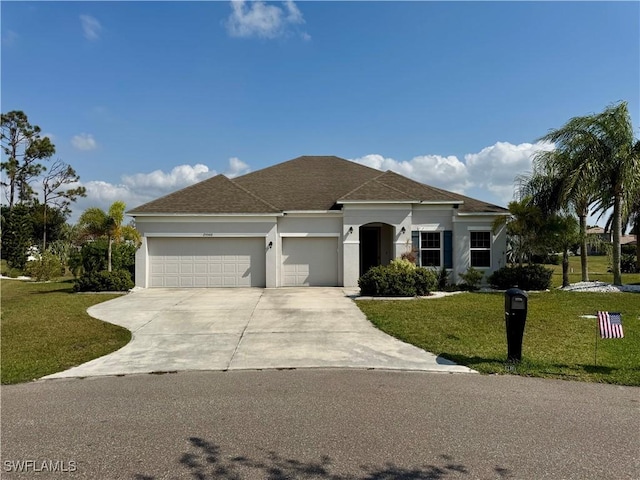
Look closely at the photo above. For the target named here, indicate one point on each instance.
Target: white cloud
(492, 170)
(84, 141)
(159, 183)
(443, 172)
(140, 188)
(257, 19)
(236, 168)
(9, 37)
(91, 27)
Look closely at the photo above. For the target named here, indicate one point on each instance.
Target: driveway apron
(248, 328)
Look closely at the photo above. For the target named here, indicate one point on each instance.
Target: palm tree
(563, 234)
(602, 152)
(95, 223)
(523, 227)
(552, 192)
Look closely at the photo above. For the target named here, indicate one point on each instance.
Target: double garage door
(240, 262)
(207, 262)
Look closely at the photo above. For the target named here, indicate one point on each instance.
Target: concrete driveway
(252, 328)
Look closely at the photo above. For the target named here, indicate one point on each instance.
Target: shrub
(628, 263)
(471, 279)
(527, 277)
(45, 267)
(443, 279)
(401, 278)
(94, 257)
(116, 281)
(426, 281)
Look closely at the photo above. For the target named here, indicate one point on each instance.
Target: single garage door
(207, 262)
(310, 262)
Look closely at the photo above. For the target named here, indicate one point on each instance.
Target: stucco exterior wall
(462, 227)
(354, 216)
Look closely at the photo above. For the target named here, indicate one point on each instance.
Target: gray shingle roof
(214, 195)
(304, 183)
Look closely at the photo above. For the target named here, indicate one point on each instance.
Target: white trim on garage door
(310, 261)
(207, 262)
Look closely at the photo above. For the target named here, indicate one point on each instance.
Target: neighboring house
(311, 221)
(597, 237)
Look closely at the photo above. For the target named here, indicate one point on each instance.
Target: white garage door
(311, 262)
(207, 262)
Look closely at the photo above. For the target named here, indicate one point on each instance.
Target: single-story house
(310, 221)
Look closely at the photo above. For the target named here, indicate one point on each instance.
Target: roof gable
(218, 194)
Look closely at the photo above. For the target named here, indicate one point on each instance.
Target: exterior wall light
(270, 245)
(403, 230)
(350, 229)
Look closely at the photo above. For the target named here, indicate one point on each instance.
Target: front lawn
(598, 266)
(46, 329)
(468, 328)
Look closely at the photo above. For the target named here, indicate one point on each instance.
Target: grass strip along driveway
(469, 329)
(46, 329)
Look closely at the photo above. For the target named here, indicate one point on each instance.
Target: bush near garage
(93, 257)
(115, 281)
(526, 277)
(401, 278)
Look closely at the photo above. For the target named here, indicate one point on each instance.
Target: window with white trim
(430, 249)
(480, 249)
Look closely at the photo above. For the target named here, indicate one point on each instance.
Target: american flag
(610, 325)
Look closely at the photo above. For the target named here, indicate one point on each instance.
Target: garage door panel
(207, 262)
(310, 262)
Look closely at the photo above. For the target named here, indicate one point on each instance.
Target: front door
(369, 248)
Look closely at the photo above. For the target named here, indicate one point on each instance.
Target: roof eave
(167, 214)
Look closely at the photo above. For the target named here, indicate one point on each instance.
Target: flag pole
(595, 354)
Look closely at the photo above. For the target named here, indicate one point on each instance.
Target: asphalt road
(320, 424)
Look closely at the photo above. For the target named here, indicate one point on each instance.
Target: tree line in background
(36, 238)
(593, 169)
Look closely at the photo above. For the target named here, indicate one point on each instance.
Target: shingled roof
(304, 183)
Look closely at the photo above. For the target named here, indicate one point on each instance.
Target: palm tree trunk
(584, 266)
(617, 233)
(638, 242)
(109, 254)
(565, 267)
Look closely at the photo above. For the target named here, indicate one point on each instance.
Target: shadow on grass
(474, 360)
(205, 460)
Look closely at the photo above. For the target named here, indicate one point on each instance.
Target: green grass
(597, 266)
(469, 329)
(46, 329)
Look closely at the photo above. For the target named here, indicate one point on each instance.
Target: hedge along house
(310, 221)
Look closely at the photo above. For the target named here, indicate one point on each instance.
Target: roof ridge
(391, 186)
(447, 193)
(252, 194)
(362, 185)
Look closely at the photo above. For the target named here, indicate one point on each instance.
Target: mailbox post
(515, 315)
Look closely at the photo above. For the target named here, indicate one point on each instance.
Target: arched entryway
(376, 245)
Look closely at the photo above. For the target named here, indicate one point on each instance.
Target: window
(480, 249)
(430, 249)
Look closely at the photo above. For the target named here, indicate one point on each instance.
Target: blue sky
(143, 98)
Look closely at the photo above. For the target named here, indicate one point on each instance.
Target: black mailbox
(515, 315)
